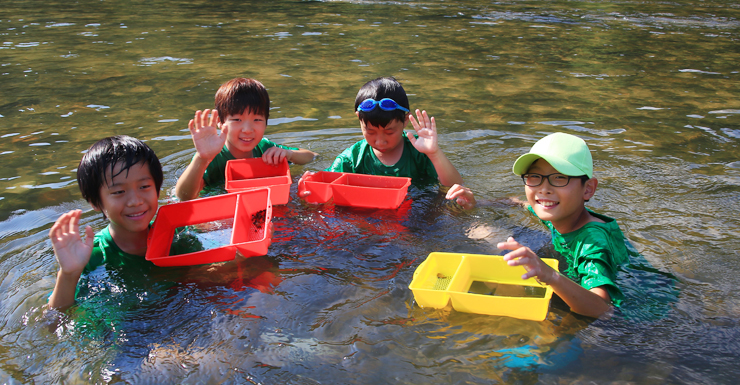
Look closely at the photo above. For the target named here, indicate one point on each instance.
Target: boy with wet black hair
(382, 107)
(121, 177)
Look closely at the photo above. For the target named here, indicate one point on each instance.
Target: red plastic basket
(249, 232)
(370, 191)
(245, 174)
(319, 184)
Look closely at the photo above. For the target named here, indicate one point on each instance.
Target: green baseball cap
(566, 153)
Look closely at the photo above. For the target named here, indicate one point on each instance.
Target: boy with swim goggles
(382, 107)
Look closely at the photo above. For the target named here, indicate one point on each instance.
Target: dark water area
(651, 86)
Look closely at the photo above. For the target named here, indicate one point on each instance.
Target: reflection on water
(651, 86)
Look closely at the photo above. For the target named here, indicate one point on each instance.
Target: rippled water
(650, 85)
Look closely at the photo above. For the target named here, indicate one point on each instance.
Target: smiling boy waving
(558, 180)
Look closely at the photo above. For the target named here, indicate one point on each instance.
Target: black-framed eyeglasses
(555, 180)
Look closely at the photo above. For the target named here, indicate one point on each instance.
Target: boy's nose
(246, 127)
(544, 187)
(134, 199)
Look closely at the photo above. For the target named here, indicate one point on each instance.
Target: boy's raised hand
(526, 257)
(426, 128)
(71, 251)
(204, 129)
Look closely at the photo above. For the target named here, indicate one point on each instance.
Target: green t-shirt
(114, 284)
(128, 267)
(215, 173)
(105, 251)
(110, 267)
(360, 159)
(592, 253)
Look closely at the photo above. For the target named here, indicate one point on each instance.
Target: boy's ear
(590, 188)
(95, 208)
(357, 114)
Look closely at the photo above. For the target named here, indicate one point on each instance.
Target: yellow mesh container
(482, 284)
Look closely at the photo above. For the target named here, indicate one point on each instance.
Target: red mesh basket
(245, 174)
(251, 212)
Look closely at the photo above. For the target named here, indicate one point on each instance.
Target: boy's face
(384, 139)
(245, 132)
(130, 199)
(557, 204)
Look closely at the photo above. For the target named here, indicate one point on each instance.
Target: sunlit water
(652, 86)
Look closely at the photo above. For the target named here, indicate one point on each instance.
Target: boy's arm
(426, 143)
(464, 197)
(208, 143)
(302, 156)
(592, 303)
(72, 254)
(275, 155)
(191, 182)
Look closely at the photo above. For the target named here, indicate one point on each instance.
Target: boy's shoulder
(603, 234)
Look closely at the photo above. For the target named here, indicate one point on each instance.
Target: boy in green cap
(592, 244)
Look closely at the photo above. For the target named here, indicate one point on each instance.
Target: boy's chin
(242, 147)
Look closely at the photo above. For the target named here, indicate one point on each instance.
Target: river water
(652, 86)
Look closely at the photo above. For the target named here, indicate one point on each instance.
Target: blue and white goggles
(385, 104)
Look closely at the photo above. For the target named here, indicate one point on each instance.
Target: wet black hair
(382, 88)
(100, 159)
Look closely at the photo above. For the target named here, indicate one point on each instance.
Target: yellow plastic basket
(482, 284)
(432, 278)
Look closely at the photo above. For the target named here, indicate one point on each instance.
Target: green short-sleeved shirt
(114, 282)
(215, 173)
(593, 254)
(105, 251)
(360, 159)
(111, 269)
(115, 261)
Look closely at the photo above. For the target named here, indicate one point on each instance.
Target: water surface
(650, 85)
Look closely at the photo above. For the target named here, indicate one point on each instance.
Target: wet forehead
(137, 172)
(393, 125)
(246, 115)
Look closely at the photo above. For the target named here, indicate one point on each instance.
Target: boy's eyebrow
(139, 180)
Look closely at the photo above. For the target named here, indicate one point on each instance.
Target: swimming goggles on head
(385, 104)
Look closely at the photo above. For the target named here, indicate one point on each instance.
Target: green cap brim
(522, 164)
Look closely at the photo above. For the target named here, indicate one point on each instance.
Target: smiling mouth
(547, 204)
(136, 215)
